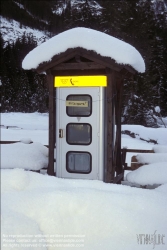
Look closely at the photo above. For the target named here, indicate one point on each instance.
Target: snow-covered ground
(25, 125)
(17, 126)
(156, 134)
(44, 212)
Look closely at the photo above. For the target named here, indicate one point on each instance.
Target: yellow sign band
(80, 81)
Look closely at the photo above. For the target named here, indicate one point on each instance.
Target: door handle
(60, 133)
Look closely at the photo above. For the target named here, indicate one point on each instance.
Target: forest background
(143, 24)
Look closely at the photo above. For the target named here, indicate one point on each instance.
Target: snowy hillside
(159, 6)
(75, 5)
(21, 6)
(129, 21)
(11, 30)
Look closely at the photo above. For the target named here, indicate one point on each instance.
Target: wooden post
(50, 79)
(118, 155)
(114, 115)
(110, 126)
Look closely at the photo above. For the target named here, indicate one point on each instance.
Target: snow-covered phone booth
(85, 72)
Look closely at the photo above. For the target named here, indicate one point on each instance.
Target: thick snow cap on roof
(101, 43)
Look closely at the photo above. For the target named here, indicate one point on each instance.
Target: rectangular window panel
(78, 162)
(79, 111)
(79, 133)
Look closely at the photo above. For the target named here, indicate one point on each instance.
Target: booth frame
(81, 62)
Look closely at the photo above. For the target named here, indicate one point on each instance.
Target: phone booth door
(78, 124)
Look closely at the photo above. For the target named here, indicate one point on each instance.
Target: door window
(78, 162)
(79, 111)
(79, 133)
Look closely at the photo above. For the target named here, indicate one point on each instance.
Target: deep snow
(44, 212)
(22, 155)
(155, 173)
(47, 211)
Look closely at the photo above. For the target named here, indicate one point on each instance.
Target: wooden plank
(118, 178)
(119, 89)
(50, 169)
(105, 61)
(138, 150)
(124, 157)
(80, 66)
(135, 165)
(8, 142)
(127, 168)
(78, 72)
(57, 59)
(70, 53)
(35, 171)
(109, 159)
(115, 138)
(134, 159)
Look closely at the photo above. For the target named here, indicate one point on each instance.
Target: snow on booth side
(155, 173)
(22, 155)
(101, 43)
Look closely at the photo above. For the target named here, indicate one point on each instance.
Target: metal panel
(96, 148)
(102, 134)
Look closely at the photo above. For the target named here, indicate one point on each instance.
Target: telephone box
(80, 132)
(86, 70)
(85, 97)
